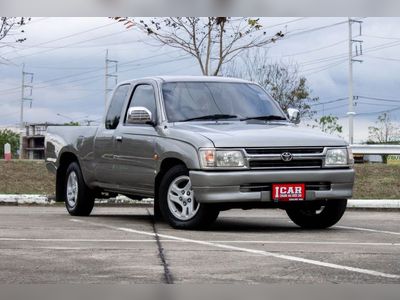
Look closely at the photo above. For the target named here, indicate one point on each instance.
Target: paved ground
(45, 245)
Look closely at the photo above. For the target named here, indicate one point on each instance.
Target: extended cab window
(144, 96)
(115, 108)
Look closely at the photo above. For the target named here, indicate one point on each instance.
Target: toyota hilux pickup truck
(200, 145)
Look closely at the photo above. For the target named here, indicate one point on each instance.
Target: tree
(384, 131)
(281, 80)
(329, 124)
(11, 26)
(72, 123)
(212, 41)
(8, 136)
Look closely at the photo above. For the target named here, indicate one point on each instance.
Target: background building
(33, 140)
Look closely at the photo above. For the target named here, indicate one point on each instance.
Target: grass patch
(373, 181)
(377, 181)
(26, 177)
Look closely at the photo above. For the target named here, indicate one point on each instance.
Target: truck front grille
(272, 158)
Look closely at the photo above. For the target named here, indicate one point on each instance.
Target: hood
(242, 134)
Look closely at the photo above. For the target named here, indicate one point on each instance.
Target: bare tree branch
(197, 36)
(281, 80)
(11, 27)
(384, 131)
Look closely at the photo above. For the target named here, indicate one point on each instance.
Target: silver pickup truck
(200, 145)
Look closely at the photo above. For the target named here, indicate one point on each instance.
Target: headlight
(214, 158)
(336, 157)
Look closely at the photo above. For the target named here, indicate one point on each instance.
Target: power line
(331, 101)
(22, 48)
(379, 112)
(382, 37)
(373, 104)
(383, 58)
(287, 22)
(315, 50)
(313, 29)
(357, 101)
(7, 91)
(64, 37)
(61, 68)
(380, 99)
(323, 68)
(332, 107)
(71, 44)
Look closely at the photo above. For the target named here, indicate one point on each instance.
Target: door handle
(118, 138)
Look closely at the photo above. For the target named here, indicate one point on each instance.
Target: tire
(311, 218)
(182, 211)
(78, 198)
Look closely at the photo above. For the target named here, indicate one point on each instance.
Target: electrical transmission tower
(111, 70)
(26, 95)
(357, 45)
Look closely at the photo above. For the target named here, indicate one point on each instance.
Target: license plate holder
(285, 192)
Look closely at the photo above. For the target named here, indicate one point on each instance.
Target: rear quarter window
(114, 110)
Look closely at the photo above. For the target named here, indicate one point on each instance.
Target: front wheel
(78, 198)
(178, 204)
(312, 217)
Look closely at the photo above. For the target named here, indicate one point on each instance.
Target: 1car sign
(288, 192)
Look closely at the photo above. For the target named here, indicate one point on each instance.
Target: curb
(6, 199)
(9, 199)
(374, 203)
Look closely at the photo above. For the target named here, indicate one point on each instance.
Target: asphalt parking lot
(123, 245)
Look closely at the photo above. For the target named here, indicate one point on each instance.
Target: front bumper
(227, 186)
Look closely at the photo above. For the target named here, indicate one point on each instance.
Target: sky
(67, 58)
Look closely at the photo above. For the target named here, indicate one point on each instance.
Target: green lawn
(373, 181)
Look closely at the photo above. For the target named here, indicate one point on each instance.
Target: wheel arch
(65, 160)
(165, 165)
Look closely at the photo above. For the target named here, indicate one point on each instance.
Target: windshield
(187, 101)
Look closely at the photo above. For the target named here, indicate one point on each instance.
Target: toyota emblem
(286, 156)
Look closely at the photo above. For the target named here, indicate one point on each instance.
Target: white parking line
(247, 250)
(309, 243)
(213, 241)
(368, 229)
(74, 240)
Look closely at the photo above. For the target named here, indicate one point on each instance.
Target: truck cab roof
(168, 78)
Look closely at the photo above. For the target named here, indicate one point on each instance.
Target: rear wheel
(178, 204)
(78, 198)
(313, 217)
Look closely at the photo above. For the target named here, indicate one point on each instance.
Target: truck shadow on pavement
(223, 224)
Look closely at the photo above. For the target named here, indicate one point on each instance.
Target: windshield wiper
(211, 117)
(265, 118)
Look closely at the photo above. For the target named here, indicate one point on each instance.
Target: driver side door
(136, 144)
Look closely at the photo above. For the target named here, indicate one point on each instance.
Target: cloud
(321, 55)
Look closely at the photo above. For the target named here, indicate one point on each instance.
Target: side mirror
(294, 115)
(139, 115)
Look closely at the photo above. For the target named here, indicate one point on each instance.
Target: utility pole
(358, 47)
(27, 80)
(111, 70)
